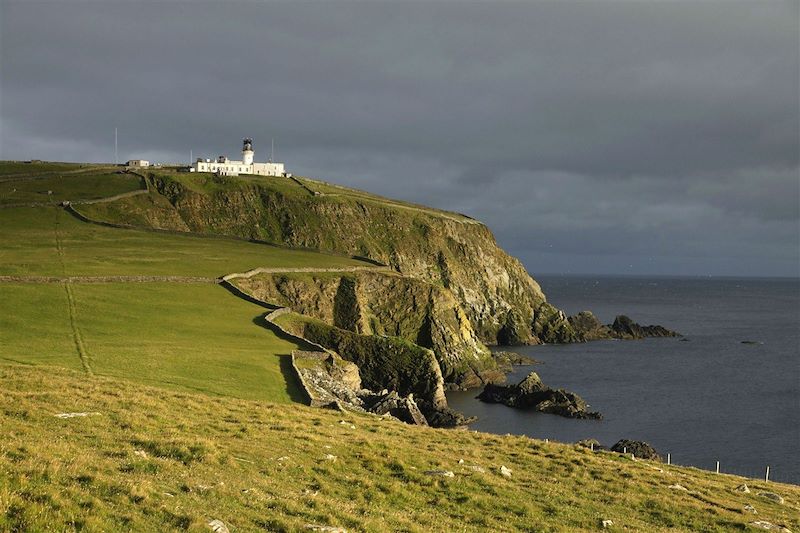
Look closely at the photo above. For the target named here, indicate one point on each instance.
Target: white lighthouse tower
(247, 152)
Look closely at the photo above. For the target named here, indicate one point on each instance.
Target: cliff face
(383, 362)
(446, 249)
(385, 304)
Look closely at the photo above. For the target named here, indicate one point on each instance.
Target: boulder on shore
(531, 393)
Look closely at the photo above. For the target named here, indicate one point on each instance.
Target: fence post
(766, 476)
(669, 459)
(624, 449)
(717, 467)
(591, 446)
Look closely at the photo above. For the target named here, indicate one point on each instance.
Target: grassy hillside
(57, 188)
(186, 336)
(49, 242)
(156, 460)
(192, 412)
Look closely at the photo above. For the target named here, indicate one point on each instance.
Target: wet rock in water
(638, 448)
(625, 328)
(531, 393)
(588, 328)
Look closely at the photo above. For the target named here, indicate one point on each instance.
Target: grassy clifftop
(447, 249)
(150, 459)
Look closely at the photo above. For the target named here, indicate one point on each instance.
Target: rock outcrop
(638, 448)
(333, 382)
(531, 393)
(587, 327)
(385, 304)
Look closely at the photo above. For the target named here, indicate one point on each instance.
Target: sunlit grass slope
(49, 242)
(158, 460)
(186, 336)
(57, 188)
(37, 168)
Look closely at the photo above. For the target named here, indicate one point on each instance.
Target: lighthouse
(247, 152)
(223, 166)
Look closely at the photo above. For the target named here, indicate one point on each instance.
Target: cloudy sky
(601, 137)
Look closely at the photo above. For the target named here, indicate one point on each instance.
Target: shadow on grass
(293, 387)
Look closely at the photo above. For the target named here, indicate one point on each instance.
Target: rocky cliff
(449, 250)
(384, 304)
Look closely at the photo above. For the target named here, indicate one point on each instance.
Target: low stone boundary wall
(310, 270)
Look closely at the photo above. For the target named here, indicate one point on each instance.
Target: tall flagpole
(116, 162)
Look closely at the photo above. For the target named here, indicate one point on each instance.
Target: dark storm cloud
(604, 136)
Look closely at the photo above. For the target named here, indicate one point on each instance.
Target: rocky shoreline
(532, 394)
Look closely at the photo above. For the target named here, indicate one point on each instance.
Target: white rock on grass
(326, 529)
(769, 526)
(743, 488)
(771, 496)
(218, 526)
(443, 473)
(678, 487)
(476, 468)
(750, 509)
(75, 415)
(330, 457)
(606, 523)
(505, 471)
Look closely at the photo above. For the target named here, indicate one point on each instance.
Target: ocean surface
(709, 399)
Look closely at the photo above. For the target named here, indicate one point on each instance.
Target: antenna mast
(116, 162)
(272, 152)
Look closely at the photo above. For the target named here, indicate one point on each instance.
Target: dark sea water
(706, 400)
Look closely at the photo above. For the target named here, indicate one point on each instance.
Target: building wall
(234, 168)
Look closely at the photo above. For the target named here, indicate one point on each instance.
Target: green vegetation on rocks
(384, 362)
(384, 303)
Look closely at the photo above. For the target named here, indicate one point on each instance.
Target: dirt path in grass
(77, 336)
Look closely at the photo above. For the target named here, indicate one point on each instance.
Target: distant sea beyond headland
(729, 393)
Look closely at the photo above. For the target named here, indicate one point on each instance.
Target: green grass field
(159, 460)
(30, 239)
(187, 336)
(54, 189)
(20, 168)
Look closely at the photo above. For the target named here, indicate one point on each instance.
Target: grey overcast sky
(599, 137)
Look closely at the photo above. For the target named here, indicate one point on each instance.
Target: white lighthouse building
(227, 167)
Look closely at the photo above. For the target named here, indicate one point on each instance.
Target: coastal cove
(709, 398)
